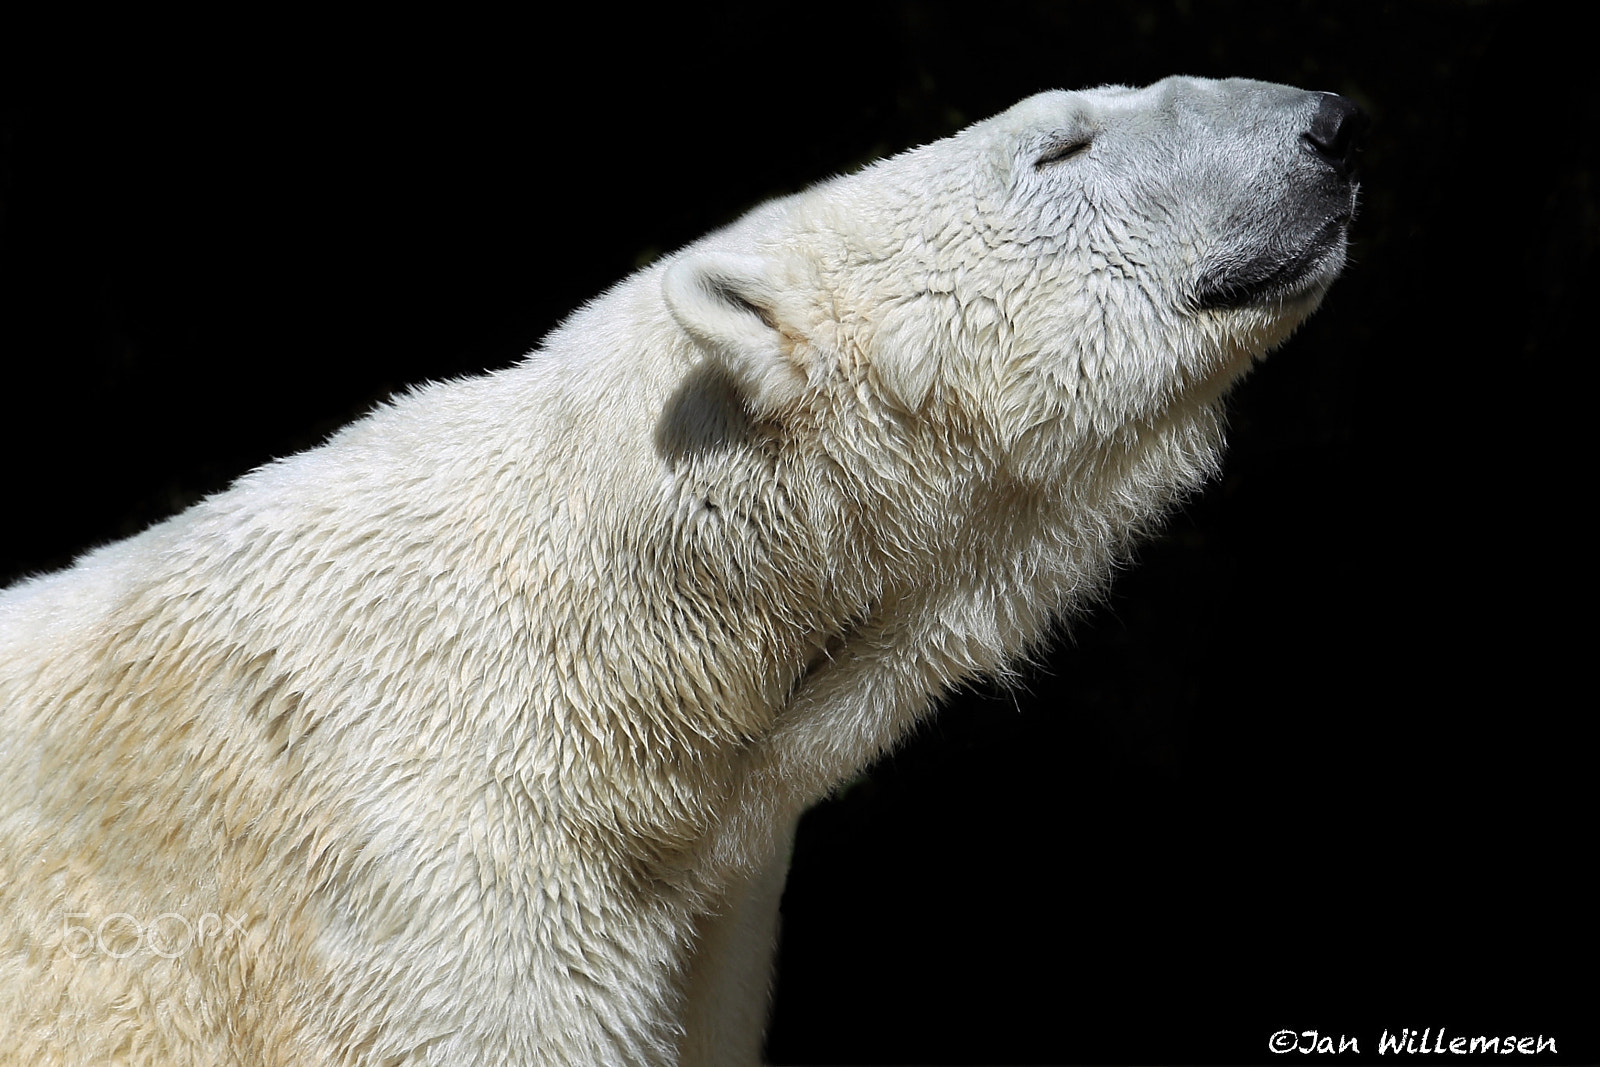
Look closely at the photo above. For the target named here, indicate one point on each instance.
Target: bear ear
(728, 304)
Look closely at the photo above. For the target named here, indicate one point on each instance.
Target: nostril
(1336, 131)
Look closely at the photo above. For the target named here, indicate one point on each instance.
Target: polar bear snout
(1282, 249)
(1336, 132)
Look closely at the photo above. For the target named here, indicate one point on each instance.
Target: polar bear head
(1082, 261)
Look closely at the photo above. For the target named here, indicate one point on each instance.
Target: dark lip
(1281, 281)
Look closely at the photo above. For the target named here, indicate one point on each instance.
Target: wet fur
(481, 728)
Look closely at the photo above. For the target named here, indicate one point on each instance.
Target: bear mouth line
(1273, 279)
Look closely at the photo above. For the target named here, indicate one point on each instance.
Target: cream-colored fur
(475, 736)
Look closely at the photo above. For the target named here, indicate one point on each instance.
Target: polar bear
(474, 736)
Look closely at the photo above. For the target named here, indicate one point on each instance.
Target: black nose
(1336, 132)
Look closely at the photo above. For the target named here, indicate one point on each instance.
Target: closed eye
(1065, 150)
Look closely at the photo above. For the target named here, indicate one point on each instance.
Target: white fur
(481, 729)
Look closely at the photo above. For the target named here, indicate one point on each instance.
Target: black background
(1319, 762)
